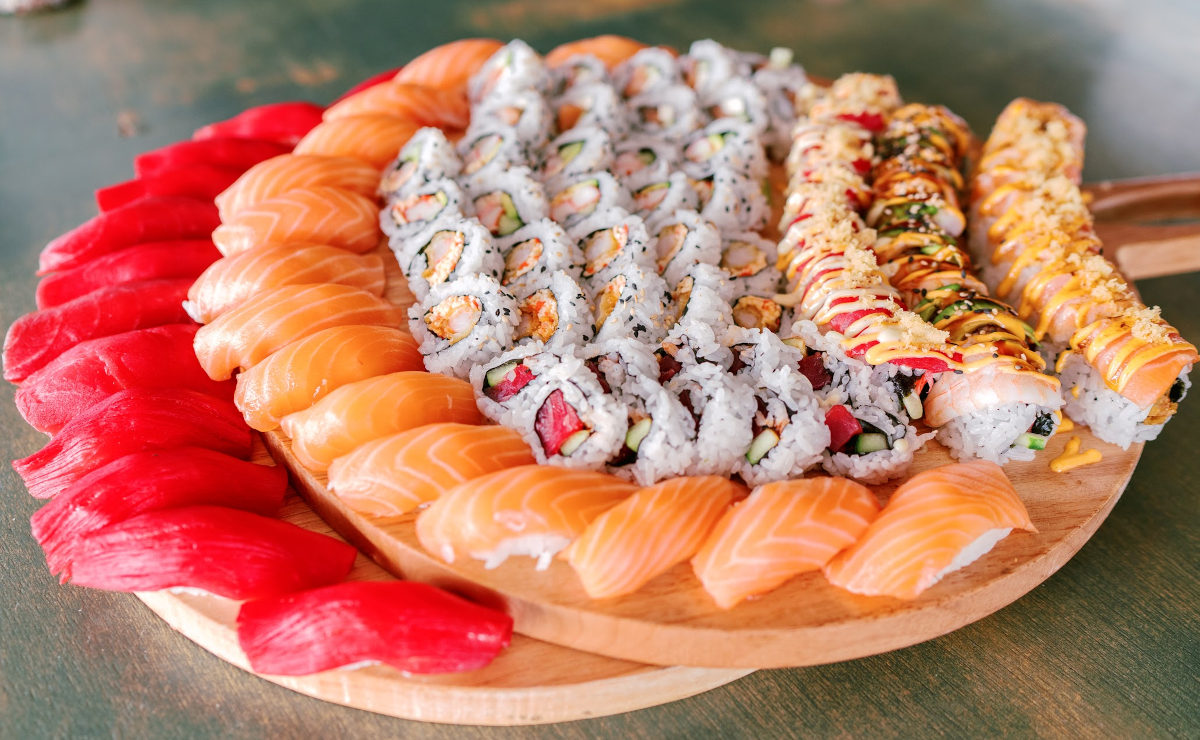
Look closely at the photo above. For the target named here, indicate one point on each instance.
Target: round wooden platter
(530, 682)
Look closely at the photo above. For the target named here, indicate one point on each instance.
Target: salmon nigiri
(393, 475)
(316, 215)
(610, 49)
(359, 412)
(935, 523)
(534, 510)
(648, 533)
(245, 335)
(278, 175)
(233, 279)
(428, 106)
(449, 66)
(305, 371)
(373, 138)
(782, 530)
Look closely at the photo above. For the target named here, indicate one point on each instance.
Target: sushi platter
(724, 445)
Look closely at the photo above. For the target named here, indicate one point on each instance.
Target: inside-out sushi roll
(495, 146)
(578, 150)
(740, 100)
(575, 198)
(708, 64)
(610, 241)
(644, 156)
(428, 155)
(649, 69)
(749, 263)
(782, 83)
(408, 217)
(726, 142)
(722, 407)
(594, 105)
(452, 249)
(464, 322)
(670, 111)
(557, 315)
(506, 201)
(631, 303)
(524, 112)
(657, 199)
(681, 240)
(534, 252)
(733, 201)
(513, 68)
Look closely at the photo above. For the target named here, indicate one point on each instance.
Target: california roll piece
(654, 200)
(670, 111)
(577, 71)
(610, 241)
(757, 312)
(749, 263)
(708, 64)
(702, 296)
(722, 407)
(408, 217)
(578, 150)
(428, 155)
(631, 303)
(534, 252)
(556, 316)
(649, 69)
(452, 249)
(514, 67)
(732, 201)
(593, 105)
(726, 142)
(682, 240)
(525, 112)
(644, 156)
(575, 198)
(739, 100)
(505, 201)
(464, 322)
(496, 146)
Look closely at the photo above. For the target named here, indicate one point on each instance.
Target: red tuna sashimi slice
(139, 222)
(89, 372)
(285, 123)
(150, 481)
(37, 338)
(131, 421)
(413, 626)
(228, 153)
(224, 551)
(173, 259)
(199, 182)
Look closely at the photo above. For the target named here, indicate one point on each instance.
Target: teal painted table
(1110, 645)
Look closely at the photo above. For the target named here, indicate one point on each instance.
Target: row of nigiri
(488, 500)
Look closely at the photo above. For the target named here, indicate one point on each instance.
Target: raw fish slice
(37, 338)
(228, 552)
(783, 529)
(278, 175)
(199, 182)
(649, 533)
(393, 475)
(374, 138)
(612, 50)
(412, 626)
(153, 261)
(428, 106)
(935, 523)
(89, 372)
(150, 481)
(449, 66)
(129, 421)
(377, 407)
(285, 123)
(533, 510)
(316, 215)
(376, 79)
(229, 153)
(244, 336)
(233, 279)
(139, 222)
(305, 371)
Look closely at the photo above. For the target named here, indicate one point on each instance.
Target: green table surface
(1110, 645)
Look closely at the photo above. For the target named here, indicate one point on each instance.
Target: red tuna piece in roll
(413, 626)
(89, 372)
(37, 338)
(285, 123)
(226, 152)
(131, 421)
(151, 481)
(185, 258)
(227, 552)
(139, 222)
